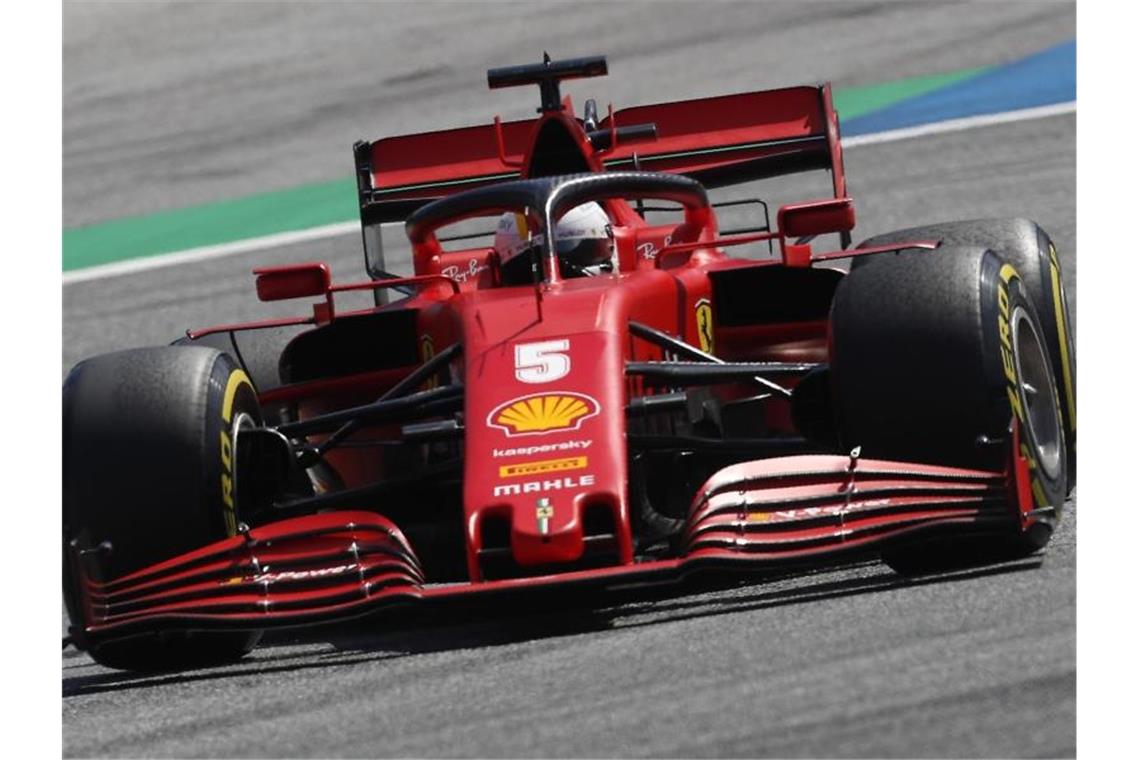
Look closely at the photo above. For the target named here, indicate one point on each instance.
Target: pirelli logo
(542, 467)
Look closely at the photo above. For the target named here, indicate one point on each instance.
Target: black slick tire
(148, 473)
(1026, 246)
(932, 354)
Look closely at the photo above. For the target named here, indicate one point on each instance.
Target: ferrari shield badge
(543, 512)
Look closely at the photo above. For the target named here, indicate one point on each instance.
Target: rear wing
(732, 139)
(718, 141)
(397, 175)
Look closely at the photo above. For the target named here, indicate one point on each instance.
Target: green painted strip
(253, 216)
(314, 205)
(856, 101)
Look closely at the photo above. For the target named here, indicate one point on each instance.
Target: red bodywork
(546, 392)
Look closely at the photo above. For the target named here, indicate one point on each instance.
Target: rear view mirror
(799, 220)
(293, 281)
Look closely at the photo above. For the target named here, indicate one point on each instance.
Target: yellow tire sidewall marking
(1007, 274)
(1062, 336)
(229, 511)
(237, 377)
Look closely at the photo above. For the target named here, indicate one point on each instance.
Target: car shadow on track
(104, 682)
(816, 592)
(423, 632)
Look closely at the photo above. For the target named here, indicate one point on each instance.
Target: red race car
(597, 394)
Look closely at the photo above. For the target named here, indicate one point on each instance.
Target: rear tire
(148, 467)
(1026, 246)
(932, 354)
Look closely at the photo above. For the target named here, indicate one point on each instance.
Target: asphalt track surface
(845, 662)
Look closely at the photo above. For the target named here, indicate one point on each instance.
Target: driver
(583, 240)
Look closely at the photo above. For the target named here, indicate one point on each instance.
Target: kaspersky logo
(541, 413)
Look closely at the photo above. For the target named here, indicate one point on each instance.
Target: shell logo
(542, 413)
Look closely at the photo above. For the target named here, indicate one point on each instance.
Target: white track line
(192, 255)
(323, 232)
(959, 125)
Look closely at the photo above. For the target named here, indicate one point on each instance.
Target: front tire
(148, 471)
(1022, 243)
(932, 354)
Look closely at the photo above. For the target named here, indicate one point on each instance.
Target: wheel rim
(1037, 393)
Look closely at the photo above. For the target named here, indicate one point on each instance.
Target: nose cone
(545, 447)
(550, 531)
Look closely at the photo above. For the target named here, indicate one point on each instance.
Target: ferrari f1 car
(480, 432)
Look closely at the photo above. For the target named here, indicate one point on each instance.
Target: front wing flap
(304, 569)
(800, 506)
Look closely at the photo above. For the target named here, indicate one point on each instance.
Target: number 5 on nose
(542, 362)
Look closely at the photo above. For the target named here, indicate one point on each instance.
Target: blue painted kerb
(1042, 79)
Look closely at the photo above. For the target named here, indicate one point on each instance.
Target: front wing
(754, 515)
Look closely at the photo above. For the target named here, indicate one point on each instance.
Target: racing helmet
(583, 241)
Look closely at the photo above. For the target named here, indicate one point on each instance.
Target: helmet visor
(584, 252)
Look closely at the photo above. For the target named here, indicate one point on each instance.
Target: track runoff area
(1034, 87)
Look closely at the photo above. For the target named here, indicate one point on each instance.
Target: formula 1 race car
(505, 421)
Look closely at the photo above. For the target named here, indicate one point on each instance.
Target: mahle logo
(542, 413)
